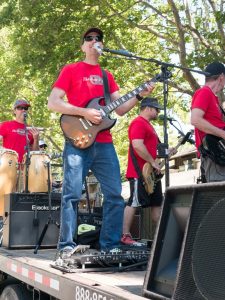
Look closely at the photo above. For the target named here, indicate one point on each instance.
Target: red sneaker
(127, 240)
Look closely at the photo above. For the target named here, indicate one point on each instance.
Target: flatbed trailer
(35, 273)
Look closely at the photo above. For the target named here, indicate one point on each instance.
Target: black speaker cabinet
(25, 216)
(94, 218)
(188, 252)
(135, 229)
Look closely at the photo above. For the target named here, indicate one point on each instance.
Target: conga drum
(8, 174)
(37, 172)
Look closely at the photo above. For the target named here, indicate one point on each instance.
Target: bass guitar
(82, 132)
(148, 172)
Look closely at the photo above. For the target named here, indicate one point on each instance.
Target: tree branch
(218, 21)
(182, 45)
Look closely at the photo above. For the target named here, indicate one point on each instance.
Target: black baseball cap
(214, 69)
(93, 29)
(150, 102)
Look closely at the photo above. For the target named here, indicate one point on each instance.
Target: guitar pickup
(89, 123)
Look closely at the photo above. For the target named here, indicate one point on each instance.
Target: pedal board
(94, 261)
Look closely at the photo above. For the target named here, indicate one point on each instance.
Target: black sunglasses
(89, 38)
(22, 107)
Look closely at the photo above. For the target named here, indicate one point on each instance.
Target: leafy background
(38, 37)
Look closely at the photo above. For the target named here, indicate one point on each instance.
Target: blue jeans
(101, 158)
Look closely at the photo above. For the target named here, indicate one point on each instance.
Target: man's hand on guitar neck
(92, 115)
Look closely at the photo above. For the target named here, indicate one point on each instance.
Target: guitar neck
(171, 153)
(113, 105)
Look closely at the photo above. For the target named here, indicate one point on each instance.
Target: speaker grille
(187, 257)
(202, 270)
(208, 253)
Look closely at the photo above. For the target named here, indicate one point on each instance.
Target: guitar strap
(134, 159)
(106, 87)
(223, 112)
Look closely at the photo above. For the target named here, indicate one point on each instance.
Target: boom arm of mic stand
(180, 132)
(157, 62)
(191, 141)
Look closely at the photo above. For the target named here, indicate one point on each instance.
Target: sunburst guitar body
(150, 177)
(81, 132)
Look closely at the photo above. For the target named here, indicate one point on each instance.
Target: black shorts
(155, 199)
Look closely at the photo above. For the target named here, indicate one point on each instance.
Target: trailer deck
(35, 270)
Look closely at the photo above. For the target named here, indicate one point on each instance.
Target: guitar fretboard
(113, 105)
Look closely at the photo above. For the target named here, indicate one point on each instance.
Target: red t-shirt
(82, 82)
(14, 138)
(141, 129)
(207, 101)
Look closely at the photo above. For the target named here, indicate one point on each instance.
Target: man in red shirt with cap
(13, 137)
(144, 141)
(12, 133)
(208, 118)
(80, 82)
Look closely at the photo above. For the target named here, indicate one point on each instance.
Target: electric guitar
(148, 172)
(214, 147)
(82, 132)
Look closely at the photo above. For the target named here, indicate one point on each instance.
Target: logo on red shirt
(94, 79)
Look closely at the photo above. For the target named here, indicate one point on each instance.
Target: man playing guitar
(144, 141)
(80, 82)
(207, 117)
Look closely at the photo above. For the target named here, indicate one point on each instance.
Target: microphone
(119, 52)
(161, 117)
(98, 48)
(25, 115)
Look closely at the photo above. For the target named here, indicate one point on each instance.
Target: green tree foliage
(38, 37)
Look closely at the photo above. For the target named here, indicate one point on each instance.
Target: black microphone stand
(27, 150)
(88, 198)
(50, 219)
(189, 140)
(165, 75)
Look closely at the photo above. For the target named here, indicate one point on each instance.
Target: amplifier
(25, 215)
(92, 219)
